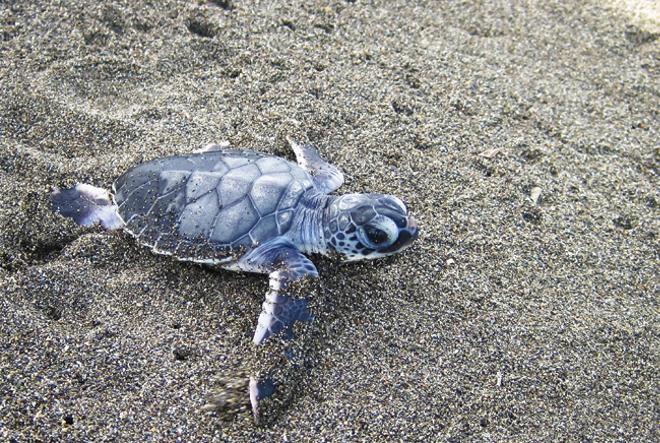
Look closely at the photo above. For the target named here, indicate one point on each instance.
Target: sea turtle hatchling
(246, 211)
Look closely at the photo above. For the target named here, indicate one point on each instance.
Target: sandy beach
(522, 135)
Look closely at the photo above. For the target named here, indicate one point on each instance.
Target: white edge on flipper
(298, 150)
(254, 398)
(266, 318)
(213, 147)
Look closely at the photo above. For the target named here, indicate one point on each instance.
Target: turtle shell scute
(212, 205)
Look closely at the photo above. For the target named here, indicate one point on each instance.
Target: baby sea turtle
(246, 211)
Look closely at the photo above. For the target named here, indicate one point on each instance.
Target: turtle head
(367, 226)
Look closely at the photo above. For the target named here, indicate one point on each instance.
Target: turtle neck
(306, 231)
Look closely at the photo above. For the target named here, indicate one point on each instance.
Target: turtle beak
(407, 235)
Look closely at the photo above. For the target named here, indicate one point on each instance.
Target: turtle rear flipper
(87, 205)
(285, 265)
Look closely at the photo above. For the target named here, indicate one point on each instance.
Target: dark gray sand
(525, 138)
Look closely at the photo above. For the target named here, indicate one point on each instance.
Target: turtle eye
(381, 232)
(375, 235)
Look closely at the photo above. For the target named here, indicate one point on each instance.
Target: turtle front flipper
(87, 205)
(286, 265)
(327, 177)
(279, 312)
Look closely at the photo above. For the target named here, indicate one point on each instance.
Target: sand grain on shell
(517, 316)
